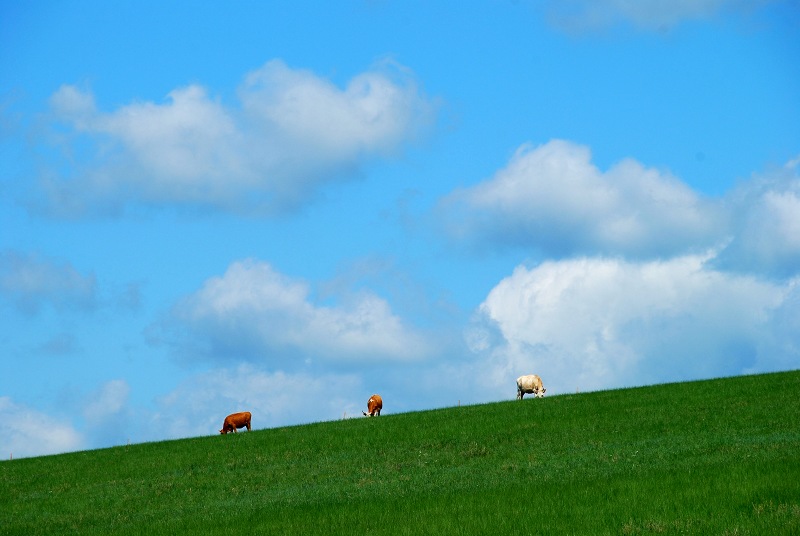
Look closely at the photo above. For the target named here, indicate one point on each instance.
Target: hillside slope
(710, 457)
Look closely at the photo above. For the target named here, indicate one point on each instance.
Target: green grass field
(710, 457)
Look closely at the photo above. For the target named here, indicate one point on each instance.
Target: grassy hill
(710, 457)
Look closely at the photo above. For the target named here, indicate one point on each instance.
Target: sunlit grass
(714, 457)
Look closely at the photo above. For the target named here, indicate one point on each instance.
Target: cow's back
(239, 419)
(236, 420)
(530, 383)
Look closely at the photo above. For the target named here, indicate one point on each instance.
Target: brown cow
(374, 406)
(234, 421)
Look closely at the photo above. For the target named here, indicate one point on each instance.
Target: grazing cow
(530, 384)
(234, 421)
(374, 406)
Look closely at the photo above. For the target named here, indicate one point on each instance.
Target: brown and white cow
(374, 406)
(234, 421)
(530, 384)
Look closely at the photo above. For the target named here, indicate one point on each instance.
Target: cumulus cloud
(647, 280)
(765, 229)
(553, 199)
(588, 15)
(290, 133)
(27, 432)
(374, 114)
(31, 281)
(254, 312)
(593, 323)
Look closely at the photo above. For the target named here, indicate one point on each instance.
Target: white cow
(530, 384)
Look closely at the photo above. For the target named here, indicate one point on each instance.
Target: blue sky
(286, 207)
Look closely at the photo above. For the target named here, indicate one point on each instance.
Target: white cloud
(26, 432)
(583, 15)
(31, 281)
(648, 281)
(74, 104)
(552, 198)
(253, 312)
(291, 133)
(765, 230)
(594, 323)
(373, 114)
(189, 138)
(107, 414)
(108, 401)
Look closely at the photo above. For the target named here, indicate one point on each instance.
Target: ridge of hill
(708, 457)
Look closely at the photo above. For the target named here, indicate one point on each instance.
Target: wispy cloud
(108, 401)
(31, 281)
(108, 414)
(290, 133)
(27, 432)
(60, 344)
(589, 15)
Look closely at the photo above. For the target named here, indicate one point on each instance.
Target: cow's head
(540, 393)
(225, 429)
